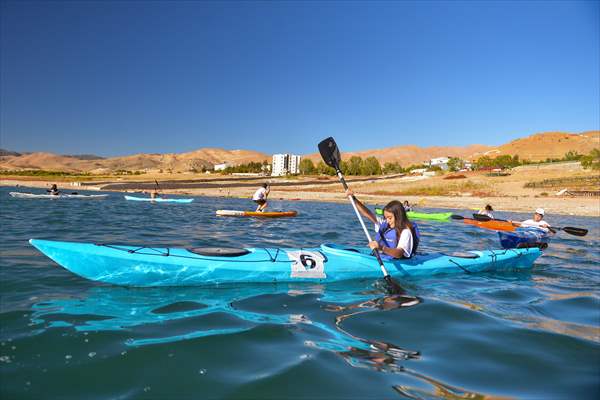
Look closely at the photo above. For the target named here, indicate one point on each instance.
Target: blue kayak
(525, 237)
(158, 199)
(150, 266)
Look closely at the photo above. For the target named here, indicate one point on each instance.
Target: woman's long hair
(402, 222)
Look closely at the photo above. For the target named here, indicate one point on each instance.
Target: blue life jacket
(388, 237)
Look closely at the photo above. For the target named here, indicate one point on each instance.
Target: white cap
(540, 211)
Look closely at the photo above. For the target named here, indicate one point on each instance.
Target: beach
(474, 191)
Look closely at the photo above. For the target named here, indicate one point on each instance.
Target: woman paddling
(396, 236)
(53, 190)
(155, 195)
(488, 210)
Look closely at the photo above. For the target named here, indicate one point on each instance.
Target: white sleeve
(378, 223)
(533, 224)
(406, 242)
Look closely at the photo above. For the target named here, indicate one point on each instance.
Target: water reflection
(108, 308)
(440, 390)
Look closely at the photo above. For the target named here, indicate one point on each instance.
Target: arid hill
(536, 147)
(545, 145)
(408, 155)
(182, 162)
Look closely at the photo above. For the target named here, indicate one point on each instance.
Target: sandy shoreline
(580, 206)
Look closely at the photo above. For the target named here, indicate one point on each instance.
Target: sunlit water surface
(524, 335)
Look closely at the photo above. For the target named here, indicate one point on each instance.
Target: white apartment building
(294, 164)
(221, 167)
(284, 164)
(441, 162)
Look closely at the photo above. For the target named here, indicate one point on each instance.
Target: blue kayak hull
(146, 266)
(524, 237)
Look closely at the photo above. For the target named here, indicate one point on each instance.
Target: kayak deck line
(167, 253)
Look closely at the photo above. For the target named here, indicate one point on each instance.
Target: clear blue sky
(122, 77)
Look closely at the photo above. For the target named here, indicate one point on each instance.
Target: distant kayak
(264, 214)
(525, 237)
(151, 266)
(158, 199)
(431, 216)
(20, 195)
(421, 215)
(491, 224)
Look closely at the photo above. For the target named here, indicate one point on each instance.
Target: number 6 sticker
(307, 264)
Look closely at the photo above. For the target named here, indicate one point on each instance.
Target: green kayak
(422, 215)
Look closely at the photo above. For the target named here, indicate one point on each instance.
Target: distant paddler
(487, 210)
(53, 190)
(155, 194)
(536, 222)
(260, 197)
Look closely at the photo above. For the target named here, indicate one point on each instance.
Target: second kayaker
(407, 207)
(488, 211)
(260, 197)
(155, 195)
(536, 222)
(396, 236)
(53, 190)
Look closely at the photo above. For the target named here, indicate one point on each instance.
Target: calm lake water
(524, 335)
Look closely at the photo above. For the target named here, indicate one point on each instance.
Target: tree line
(591, 160)
(356, 165)
(251, 167)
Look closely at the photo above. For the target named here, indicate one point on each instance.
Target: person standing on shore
(260, 197)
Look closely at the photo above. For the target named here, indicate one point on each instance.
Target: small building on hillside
(222, 166)
(441, 162)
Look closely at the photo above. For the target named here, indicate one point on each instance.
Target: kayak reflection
(195, 314)
(118, 309)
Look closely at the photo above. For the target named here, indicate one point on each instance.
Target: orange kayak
(265, 214)
(492, 224)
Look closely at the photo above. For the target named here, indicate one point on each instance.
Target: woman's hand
(349, 192)
(374, 245)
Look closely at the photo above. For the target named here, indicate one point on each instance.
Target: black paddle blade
(392, 286)
(575, 231)
(454, 216)
(330, 152)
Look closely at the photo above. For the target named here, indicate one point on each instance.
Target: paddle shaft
(362, 223)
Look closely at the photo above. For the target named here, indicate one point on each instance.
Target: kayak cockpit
(219, 251)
